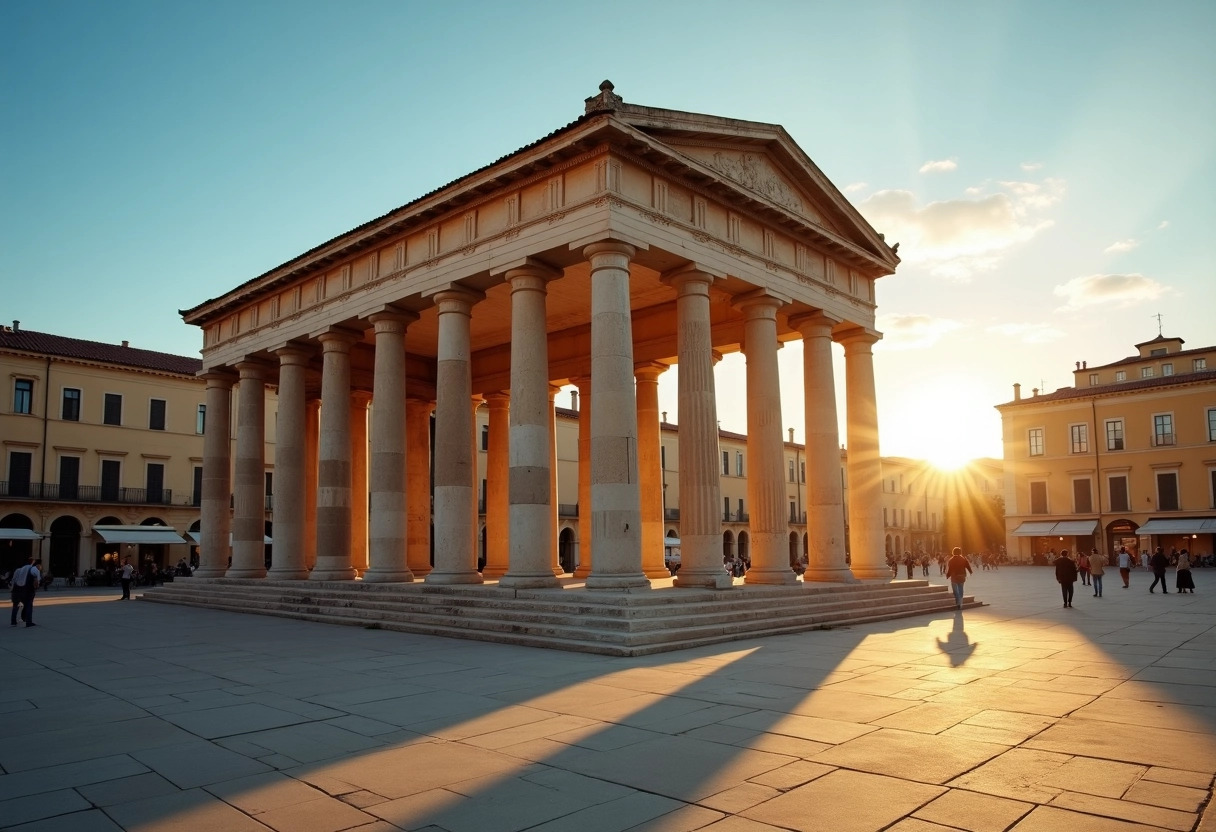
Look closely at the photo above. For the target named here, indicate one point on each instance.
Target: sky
(1049, 169)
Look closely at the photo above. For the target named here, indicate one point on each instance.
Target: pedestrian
(1066, 575)
(128, 571)
(1125, 566)
(1159, 563)
(909, 563)
(1097, 565)
(25, 584)
(1144, 559)
(1185, 582)
(956, 570)
(1083, 568)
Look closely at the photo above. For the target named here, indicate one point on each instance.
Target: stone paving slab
(1018, 717)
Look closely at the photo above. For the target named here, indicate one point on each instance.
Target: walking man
(956, 571)
(1097, 565)
(1066, 575)
(1125, 566)
(25, 584)
(1159, 562)
(125, 578)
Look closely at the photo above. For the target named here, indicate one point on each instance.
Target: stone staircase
(569, 618)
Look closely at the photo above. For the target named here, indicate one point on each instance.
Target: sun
(942, 421)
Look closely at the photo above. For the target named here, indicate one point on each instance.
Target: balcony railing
(86, 493)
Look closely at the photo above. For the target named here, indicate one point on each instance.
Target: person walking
(909, 563)
(25, 584)
(956, 570)
(1125, 566)
(1083, 568)
(1097, 565)
(1159, 563)
(1185, 582)
(128, 572)
(1066, 576)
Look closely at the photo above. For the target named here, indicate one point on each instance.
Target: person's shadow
(957, 645)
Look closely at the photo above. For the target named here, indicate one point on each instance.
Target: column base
(657, 574)
(388, 576)
(618, 582)
(246, 573)
(454, 578)
(545, 580)
(582, 573)
(300, 574)
(718, 579)
(491, 573)
(866, 573)
(347, 574)
(839, 576)
(773, 577)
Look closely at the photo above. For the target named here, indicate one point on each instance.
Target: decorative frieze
(608, 175)
(432, 242)
(470, 227)
(699, 209)
(659, 196)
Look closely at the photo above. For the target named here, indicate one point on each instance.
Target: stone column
(387, 537)
(699, 472)
(554, 512)
(287, 556)
(360, 401)
(474, 450)
(650, 468)
(531, 464)
(866, 542)
(824, 494)
(616, 522)
(216, 512)
(498, 491)
(455, 497)
(249, 491)
(334, 465)
(768, 525)
(418, 486)
(312, 460)
(583, 569)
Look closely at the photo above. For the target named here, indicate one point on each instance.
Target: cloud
(1122, 246)
(854, 187)
(939, 166)
(1031, 166)
(1118, 289)
(1164, 224)
(1036, 333)
(958, 237)
(913, 332)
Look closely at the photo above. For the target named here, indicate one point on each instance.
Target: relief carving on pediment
(753, 172)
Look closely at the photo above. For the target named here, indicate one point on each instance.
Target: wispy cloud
(939, 166)
(854, 187)
(913, 332)
(1164, 224)
(957, 238)
(1036, 333)
(1121, 246)
(1117, 289)
(1031, 166)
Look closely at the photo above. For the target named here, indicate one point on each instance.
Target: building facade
(1124, 457)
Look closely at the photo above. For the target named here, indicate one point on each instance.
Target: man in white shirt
(1125, 566)
(25, 584)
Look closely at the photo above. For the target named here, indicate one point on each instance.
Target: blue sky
(1049, 169)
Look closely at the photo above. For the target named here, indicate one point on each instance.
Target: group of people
(910, 561)
(1091, 567)
(25, 583)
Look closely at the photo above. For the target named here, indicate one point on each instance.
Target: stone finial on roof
(606, 102)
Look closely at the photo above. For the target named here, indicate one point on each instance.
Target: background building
(1125, 457)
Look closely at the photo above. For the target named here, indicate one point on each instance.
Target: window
(793, 512)
(726, 507)
(1167, 369)
(1120, 375)
(1198, 364)
(111, 474)
(20, 463)
(156, 414)
(198, 486)
(1163, 429)
(1038, 498)
(739, 463)
(741, 515)
(1118, 494)
(485, 437)
(1146, 372)
(1212, 424)
(1079, 439)
(885, 522)
(69, 477)
(112, 414)
(200, 420)
(792, 472)
(1114, 434)
(803, 472)
(69, 410)
(23, 396)
(155, 482)
(1157, 351)
(1167, 491)
(1082, 497)
(726, 468)
(1036, 441)
(1093, 379)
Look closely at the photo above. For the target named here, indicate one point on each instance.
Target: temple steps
(572, 618)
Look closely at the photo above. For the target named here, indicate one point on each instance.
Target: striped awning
(1049, 528)
(1180, 525)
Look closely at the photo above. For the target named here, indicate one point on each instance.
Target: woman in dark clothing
(1066, 575)
(1185, 582)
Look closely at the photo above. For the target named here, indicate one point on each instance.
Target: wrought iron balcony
(58, 492)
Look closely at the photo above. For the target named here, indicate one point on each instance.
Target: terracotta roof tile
(43, 343)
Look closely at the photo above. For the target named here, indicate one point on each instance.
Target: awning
(196, 538)
(1075, 527)
(1050, 528)
(1036, 529)
(1180, 525)
(19, 534)
(138, 534)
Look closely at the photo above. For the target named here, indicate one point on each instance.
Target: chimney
(791, 430)
(16, 326)
(664, 417)
(1034, 391)
(1017, 392)
(126, 343)
(574, 400)
(1078, 365)
(1084, 365)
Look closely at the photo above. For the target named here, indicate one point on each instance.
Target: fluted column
(650, 468)
(360, 401)
(418, 485)
(768, 525)
(554, 513)
(474, 450)
(616, 523)
(287, 555)
(387, 533)
(312, 461)
(824, 494)
(498, 491)
(866, 543)
(334, 464)
(583, 569)
(455, 497)
(216, 517)
(699, 472)
(249, 488)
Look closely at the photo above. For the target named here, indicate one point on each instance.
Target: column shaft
(583, 569)
(554, 516)
(287, 554)
(418, 485)
(359, 403)
(334, 467)
(650, 468)
(866, 542)
(216, 517)
(498, 491)
(312, 461)
(249, 516)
